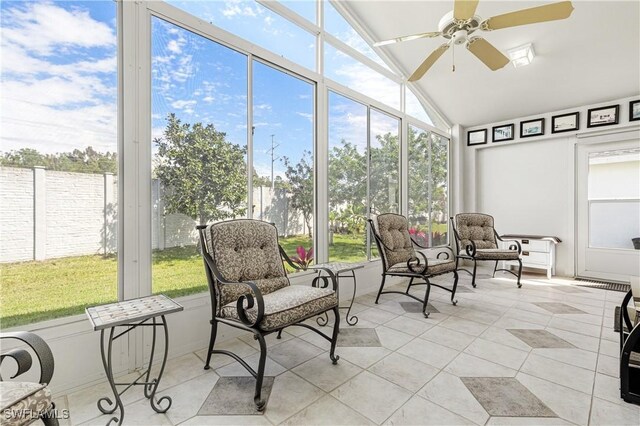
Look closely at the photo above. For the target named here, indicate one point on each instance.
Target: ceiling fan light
(522, 55)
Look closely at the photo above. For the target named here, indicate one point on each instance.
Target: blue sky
(59, 77)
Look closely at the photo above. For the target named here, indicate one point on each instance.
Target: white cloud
(306, 115)
(174, 47)
(240, 8)
(44, 28)
(59, 104)
(182, 104)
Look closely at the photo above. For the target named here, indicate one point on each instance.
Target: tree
(81, 161)
(300, 182)
(204, 175)
(384, 182)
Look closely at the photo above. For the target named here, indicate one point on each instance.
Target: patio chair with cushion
(477, 240)
(250, 290)
(22, 402)
(629, 326)
(400, 259)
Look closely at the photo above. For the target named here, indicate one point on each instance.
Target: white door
(608, 207)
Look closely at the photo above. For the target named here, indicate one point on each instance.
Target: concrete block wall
(50, 214)
(16, 214)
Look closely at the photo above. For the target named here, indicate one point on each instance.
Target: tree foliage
(300, 186)
(204, 175)
(81, 161)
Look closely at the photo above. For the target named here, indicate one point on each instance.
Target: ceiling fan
(458, 25)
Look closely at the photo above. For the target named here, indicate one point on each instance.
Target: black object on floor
(604, 285)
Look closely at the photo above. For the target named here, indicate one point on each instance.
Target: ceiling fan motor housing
(460, 36)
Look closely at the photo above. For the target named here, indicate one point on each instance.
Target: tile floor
(543, 354)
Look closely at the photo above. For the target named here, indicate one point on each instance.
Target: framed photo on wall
(603, 116)
(476, 137)
(634, 110)
(565, 122)
(502, 133)
(531, 128)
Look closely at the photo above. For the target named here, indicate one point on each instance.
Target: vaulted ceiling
(592, 57)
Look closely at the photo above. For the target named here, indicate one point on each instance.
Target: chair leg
(455, 287)
(426, 298)
(260, 403)
(473, 277)
(279, 336)
(495, 268)
(384, 277)
(212, 340)
(334, 338)
(409, 286)
(519, 272)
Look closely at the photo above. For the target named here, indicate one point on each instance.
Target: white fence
(49, 214)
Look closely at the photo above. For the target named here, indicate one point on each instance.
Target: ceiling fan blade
(549, 12)
(464, 9)
(431, 59)
(487, 53)
(407, 38)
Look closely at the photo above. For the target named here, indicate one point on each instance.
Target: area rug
(234, 396)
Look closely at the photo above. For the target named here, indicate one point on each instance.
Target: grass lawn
(38, 291)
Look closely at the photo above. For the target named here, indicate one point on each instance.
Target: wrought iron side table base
(132, 313)
(322, 281)
(150, 386)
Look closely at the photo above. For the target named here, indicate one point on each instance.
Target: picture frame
(476, 137)
(565, 122)
(502, 133)
(603, 116)
(532, 128)
(634, 110)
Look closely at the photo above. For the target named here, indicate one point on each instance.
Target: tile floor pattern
(526, 364)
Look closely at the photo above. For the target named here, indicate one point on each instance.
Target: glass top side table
(133, 313)
(335, 271)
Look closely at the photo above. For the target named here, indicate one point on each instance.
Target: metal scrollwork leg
(353, 320)
(321, 282)
(157, 407)
(108, 368)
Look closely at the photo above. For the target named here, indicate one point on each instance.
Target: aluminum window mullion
(250, 136)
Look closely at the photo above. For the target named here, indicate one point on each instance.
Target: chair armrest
(470, 249)
(417, 244)
(515, 246)
(252, 299)
(22, 357)
(285, 257)
(415, 262)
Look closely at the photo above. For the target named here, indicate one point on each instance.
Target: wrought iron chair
(400, 259)
(250, 290)
(477, 240)
(630, 344)
(23, 403)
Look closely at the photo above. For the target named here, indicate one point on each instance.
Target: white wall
(528, 184)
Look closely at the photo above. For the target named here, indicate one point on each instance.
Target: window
(414, 108)
(199, 173)
(351, 73)
(347, 179)
(335, 24)
(283, 148)
(58, 164)
(614, 198)
(259, 25)
(364, 175)
(428, 187)
(305, 8)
